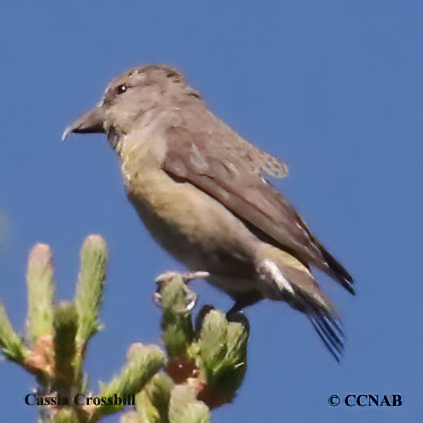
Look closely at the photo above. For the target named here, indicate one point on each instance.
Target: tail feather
(283, 277)
(330, 331)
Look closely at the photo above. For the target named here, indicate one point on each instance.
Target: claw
(157, 297)
(186, 277)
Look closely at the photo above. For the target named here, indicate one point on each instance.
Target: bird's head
(131, 96)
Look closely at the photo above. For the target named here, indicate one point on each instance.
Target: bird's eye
(120, 89)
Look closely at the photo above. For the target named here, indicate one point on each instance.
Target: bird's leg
(243, 301)
(185, 276)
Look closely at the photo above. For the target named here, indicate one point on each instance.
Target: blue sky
(332, 88)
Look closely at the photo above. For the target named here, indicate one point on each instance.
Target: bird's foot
(186, 276)
(167, 276)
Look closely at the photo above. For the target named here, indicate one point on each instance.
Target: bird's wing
(219, 162)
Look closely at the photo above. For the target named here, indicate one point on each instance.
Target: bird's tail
(285, 278)
(329, 329)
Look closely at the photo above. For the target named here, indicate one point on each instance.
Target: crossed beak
(89, 123)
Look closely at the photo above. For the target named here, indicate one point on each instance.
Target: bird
(204, 193)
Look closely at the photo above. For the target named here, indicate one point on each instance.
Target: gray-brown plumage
(201, 191)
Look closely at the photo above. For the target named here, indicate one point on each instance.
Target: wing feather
(219, 162)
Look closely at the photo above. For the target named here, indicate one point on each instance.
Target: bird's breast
(196, 229)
